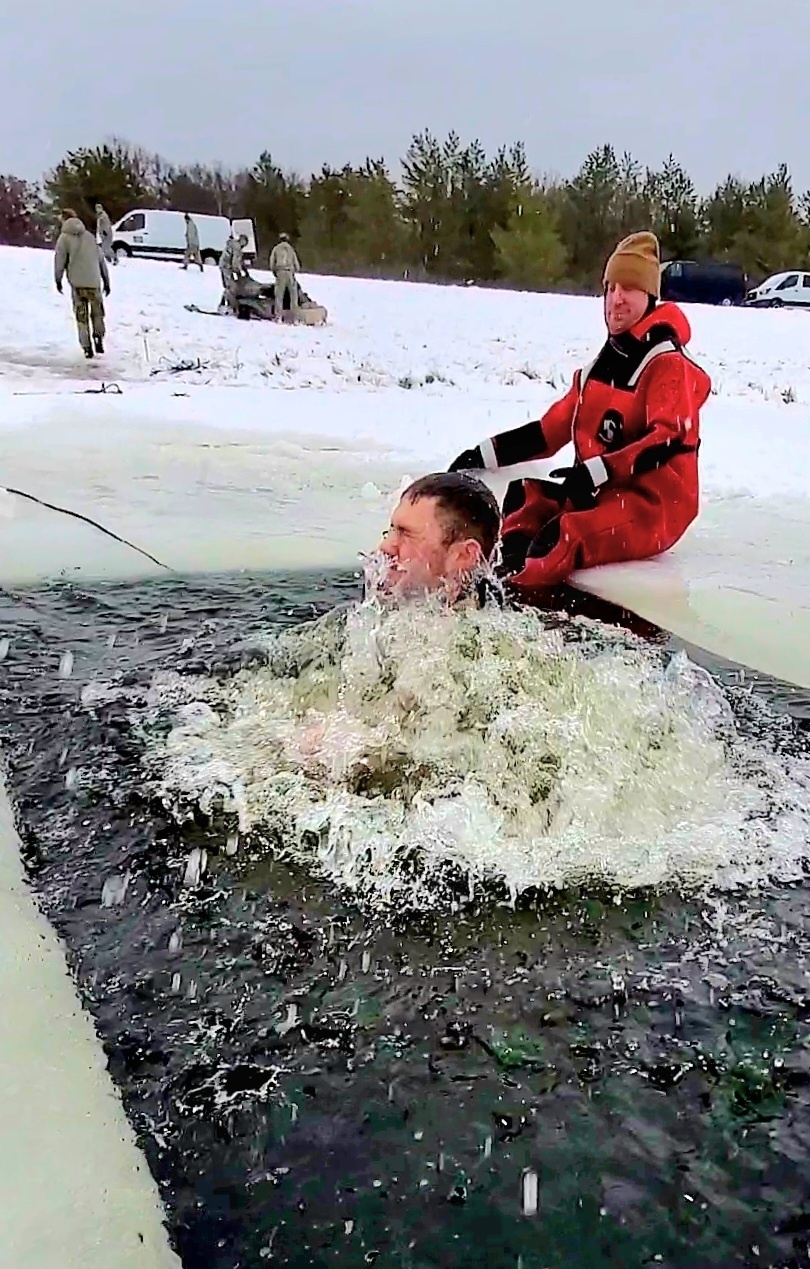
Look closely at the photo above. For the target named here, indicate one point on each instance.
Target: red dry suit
(633, 416)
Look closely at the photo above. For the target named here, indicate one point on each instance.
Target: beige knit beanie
(636, 262)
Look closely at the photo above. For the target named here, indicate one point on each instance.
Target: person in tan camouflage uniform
(232, 268)
(79, 256)
(104, 234)
(192, 255)
(285, 265)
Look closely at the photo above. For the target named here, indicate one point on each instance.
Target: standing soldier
(284, 264)
(104, 234)
(232, 268)
(78, 255)
(192, 255)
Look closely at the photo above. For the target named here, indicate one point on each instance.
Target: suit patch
(610, 432)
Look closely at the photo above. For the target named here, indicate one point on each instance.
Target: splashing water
(399, 750)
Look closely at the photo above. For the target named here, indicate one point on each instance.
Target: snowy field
(279, 447)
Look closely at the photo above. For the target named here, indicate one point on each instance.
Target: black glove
(59, 287)
(578, 486)
(470, 460)
(107, 288)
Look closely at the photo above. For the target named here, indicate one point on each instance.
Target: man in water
(440, 540)
(633, 416)
(442, 533)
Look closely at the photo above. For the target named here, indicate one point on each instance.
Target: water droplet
(290, 1021)
(114, 890)
(175, 942)
(530, 1192)
(366, 962)
(111, 640)
(72, 779)
(5, 644)
(66, 665)
(232, 844)
(176, 980)
(164, 623)
(196, 865)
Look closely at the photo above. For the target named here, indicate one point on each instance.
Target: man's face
(417, 552)
(624, 306)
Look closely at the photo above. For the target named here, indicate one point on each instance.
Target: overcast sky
(723, 84)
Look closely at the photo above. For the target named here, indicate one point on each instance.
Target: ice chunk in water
(529, 1192)
(114, 890)
(196, 865)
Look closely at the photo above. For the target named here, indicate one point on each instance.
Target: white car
(160, 235)
(780, 291)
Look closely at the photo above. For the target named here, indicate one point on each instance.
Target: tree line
(455, 213)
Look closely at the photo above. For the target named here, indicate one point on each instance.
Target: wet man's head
(442, 531)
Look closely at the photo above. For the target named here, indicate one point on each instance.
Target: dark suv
(705, 282)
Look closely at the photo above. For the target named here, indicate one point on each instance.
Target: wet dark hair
(469, 507)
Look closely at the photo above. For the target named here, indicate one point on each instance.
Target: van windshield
(132, 223)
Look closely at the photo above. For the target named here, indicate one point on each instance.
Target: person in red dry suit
(634, 418)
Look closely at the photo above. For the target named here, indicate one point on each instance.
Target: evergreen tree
(326, 226)
(592, 224)
(428, 202)
(530, 252)
(116, 175)
(673, 210)
(277, 203)
(378, 234)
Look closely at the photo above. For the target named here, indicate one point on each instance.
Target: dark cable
(19, 493)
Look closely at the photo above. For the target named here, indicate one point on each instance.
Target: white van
(783, 290)
(161, 235)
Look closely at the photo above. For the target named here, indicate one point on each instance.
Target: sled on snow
(254, 299)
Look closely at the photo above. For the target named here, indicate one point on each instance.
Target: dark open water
(313, 1090)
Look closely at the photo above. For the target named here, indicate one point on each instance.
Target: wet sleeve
(539, 439)
(672, 420)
